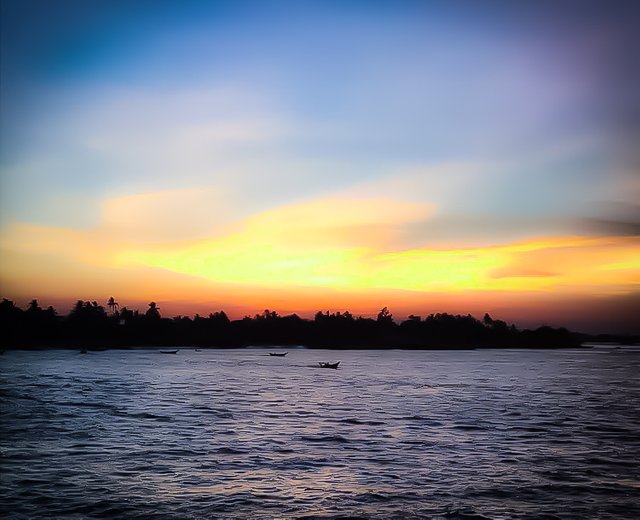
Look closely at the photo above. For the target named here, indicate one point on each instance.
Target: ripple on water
(339, 439)
(394, 434)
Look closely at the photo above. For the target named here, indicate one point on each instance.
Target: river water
(390, 434)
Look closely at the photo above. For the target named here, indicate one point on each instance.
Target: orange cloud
(336, 249)
(167, 215)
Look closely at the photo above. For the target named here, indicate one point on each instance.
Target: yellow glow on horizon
(581, 265)
(337, 243)
(320, 243)
(335, 248)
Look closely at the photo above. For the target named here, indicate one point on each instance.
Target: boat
(279, 354)
(169, 351)
(329, 365)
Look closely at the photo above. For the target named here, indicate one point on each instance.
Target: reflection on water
(239, 433)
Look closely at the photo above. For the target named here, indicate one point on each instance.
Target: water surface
(390, 434)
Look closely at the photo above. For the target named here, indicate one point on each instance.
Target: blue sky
(347, 91)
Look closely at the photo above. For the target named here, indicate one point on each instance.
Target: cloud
(338, 242)
(307, 244)
(317, 242)
(606, 265)
(339, 218)
(170, 215)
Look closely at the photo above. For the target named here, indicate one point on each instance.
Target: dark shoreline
(89, 326)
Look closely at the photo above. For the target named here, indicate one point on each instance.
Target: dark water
(393, 434)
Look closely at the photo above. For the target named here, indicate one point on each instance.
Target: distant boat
(279, 354)
(169, 351)
(83, 351)
(329, 365)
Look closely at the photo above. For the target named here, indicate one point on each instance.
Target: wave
(325, 438)
(231, 451)
(363, 422)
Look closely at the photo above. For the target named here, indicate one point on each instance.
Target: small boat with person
(278, 354)
(329, 365)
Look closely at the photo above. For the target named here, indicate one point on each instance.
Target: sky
(429, 156)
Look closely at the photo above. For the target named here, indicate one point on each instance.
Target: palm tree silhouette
(153, 311)
(113, 305)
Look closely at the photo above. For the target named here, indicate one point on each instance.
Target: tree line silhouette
(89, 324)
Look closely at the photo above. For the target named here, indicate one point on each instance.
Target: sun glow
(333, 243)
(305, 245)
(536, 266)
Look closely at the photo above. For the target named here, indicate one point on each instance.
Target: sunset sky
(453, 156)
